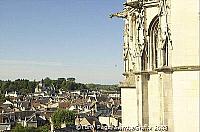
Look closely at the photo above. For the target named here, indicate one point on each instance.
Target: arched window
(144, 60)
(153, 43)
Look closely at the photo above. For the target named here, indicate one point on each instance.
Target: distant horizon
(61, 38)
(56, 79)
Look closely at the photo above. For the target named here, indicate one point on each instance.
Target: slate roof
(90, 119)
(67, 129)
(22, 114)
(4, 126)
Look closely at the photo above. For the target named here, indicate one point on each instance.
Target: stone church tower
(161, 64)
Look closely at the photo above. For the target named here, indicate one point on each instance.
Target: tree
(63, 116)
(5, 86)
(92, 86)
(2, 98)
(71, 85)
(81, 86)
(32, 86)
(59, 82)
(20, 128)
(63, 85)
(43, 129)
(47, 82)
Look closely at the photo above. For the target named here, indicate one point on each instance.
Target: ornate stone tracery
(145, 47)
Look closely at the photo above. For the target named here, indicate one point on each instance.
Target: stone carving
(141, 37)
(122, 14)
(164, 25)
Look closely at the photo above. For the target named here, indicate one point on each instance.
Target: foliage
(71, 86)
(59, 82)
(63, 116)
(20, 128)
(25, 86)
(47, 82)
(43, 128)
(102, 87)
(3, 98)
(21, 85)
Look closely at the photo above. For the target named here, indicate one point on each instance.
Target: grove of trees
(24, 86)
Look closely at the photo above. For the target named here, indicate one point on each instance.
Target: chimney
(52, 127)
(94, 125)
(92, 112)
(77, 121)
(112, 111)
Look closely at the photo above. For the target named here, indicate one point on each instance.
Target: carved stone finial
(122, 14)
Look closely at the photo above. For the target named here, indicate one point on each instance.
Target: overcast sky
(61, 38)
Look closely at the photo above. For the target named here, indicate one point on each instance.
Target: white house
(11, 94)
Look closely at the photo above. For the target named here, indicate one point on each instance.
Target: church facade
(161, 64)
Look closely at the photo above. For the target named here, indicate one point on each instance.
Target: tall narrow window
(144, 60)
(153, 43)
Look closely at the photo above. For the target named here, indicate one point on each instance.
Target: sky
(61, 38)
